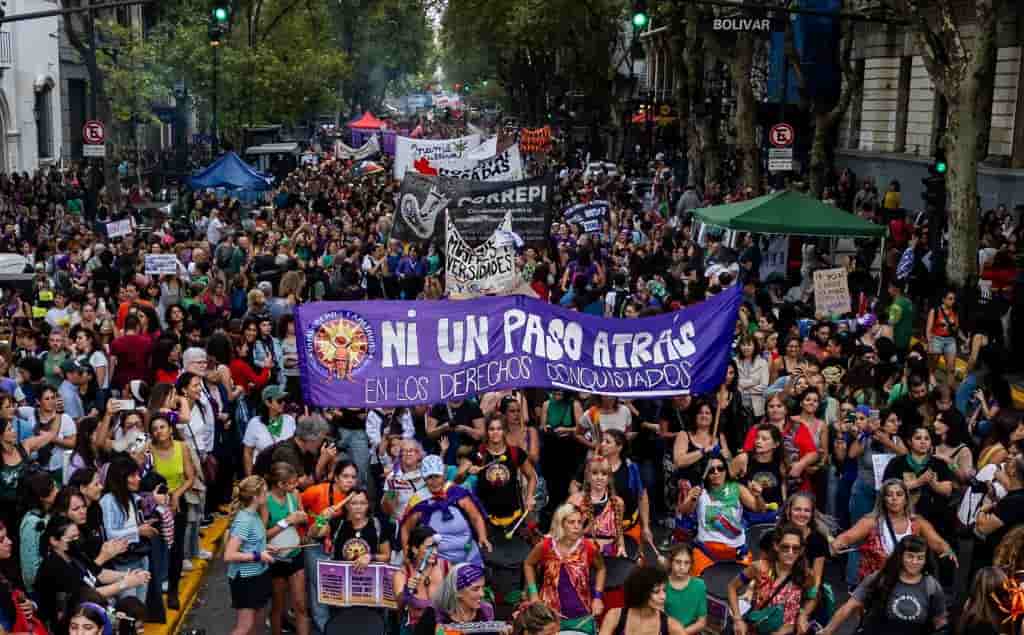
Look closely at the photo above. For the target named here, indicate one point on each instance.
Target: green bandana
(275, 425)
(914, 465)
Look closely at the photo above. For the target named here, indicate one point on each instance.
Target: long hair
(55, 528)
(34, 487)
(116, 484)
(820, 523)
(881, 511)
(800, 575)
(779, 456)
(83, 440)
(586, 505)
(447, 596)
(533, 619)
(889, 576)
(981, 608)
(246, 491)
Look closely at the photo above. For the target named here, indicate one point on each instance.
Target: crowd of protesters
(875, 456)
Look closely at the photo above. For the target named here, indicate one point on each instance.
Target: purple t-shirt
(572, 608)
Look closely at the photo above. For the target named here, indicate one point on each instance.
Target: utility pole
(215, 144)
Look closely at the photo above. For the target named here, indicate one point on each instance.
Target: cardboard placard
(831, 292)
(119, 228)
(161, 264)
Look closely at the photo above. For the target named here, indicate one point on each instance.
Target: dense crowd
(869, 464)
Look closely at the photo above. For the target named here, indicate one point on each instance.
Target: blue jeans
(862, 501)
(318, 612)
(135, 591)
(357, 445)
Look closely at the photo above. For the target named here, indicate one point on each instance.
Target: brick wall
(878, 112)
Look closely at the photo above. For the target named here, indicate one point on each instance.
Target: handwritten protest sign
(161, 264)
(831, 293)
(119, 228)
(341, 584)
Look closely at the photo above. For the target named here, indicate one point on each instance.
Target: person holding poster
(355, 535)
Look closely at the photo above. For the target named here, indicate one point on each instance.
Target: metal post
(215, 143)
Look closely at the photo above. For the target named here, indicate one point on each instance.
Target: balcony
(6, 50)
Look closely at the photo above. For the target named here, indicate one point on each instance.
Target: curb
(191, 581)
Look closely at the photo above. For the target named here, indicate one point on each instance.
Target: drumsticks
(512, 532)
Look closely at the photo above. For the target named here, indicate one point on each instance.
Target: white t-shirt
(67, 429)
(259, 438)
(621, 419)
(98, 360)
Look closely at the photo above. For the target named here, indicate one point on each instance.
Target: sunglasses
(714, 469)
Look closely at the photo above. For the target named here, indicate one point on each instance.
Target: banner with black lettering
(487, 269)
(590, 216)
(418, 154)
(478, 208)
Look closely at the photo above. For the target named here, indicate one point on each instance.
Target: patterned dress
(789, 597)
(873, 553)
(576, 564)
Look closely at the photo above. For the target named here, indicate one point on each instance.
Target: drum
(618, 569)
(356, 619)
(717, 578)
(505, 564)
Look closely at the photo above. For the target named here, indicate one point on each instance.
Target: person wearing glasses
(719, 506)
(900, 598)
(785, 591)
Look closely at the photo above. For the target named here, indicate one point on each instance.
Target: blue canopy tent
(231, 173)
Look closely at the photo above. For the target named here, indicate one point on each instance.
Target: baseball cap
(432, 465)
(193, 355)
(273, 392)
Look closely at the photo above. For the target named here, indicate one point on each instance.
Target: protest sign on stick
(831, 292)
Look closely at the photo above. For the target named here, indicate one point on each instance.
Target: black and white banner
(487, 269)
(365, 151)
(503, 166)
(478, 208)
(590, 216)
(421, 154)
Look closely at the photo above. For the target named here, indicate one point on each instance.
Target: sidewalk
(192, 580)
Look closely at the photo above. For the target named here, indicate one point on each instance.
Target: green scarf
(275, 425)
(914, 465)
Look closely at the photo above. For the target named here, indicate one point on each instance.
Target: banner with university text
(395, 353)
(486, 269)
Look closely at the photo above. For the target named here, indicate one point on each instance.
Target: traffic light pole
(214, 145)
(36, 15)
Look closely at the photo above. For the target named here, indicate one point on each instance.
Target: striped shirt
(248, 528)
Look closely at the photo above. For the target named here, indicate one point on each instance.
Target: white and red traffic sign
(782, 135)
(93, 132)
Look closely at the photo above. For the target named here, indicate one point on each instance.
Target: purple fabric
(572, 608)
(389, 353)
(467, 574)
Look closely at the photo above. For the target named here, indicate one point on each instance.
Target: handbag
(768, 618)
(207, 463)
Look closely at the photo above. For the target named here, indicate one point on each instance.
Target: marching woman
(784, 589)
(766, 466)
(690, 451)
(355, 535)
(880, 532)
(928, 477)
(499, 486)
(644, 613)
(799, 512)
(801, 451)
(460, 600)
(248, 557)
(719, 506)
(571, 565)
(422, 573)
(629, 486)
(601, 508)
(455, 528)
(900, 598)
(285, 521)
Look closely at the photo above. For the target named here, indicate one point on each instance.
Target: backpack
(224, 254)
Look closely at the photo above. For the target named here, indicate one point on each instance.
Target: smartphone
(124, 404)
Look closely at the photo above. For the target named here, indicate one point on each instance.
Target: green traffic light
(639, 19)
(220, 14)
(941, 167)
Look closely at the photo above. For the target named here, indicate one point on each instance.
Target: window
(44, 121)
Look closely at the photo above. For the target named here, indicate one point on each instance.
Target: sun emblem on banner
(341, 342)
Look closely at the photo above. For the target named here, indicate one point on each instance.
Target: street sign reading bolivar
(782, 135)
(93, 132)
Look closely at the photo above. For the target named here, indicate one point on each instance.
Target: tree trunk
(747, 151)
(962, 182)
(823, 123)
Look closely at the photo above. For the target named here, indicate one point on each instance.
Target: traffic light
(219, 17)
(935, 184)
(221, 13)
(640, 17)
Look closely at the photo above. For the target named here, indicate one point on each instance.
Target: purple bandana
(466, 575)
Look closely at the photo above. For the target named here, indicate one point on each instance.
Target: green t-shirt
(901, 317)
(688, 605)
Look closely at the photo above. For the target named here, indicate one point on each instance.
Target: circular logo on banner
(782, 135)
(354, 549)
(340, 342)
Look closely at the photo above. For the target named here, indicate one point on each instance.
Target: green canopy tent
(788, 213)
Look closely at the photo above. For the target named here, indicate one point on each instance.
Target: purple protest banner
(390, 353)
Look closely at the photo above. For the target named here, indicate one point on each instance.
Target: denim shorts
(942, 345)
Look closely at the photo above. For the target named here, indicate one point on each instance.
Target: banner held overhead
(390, 353)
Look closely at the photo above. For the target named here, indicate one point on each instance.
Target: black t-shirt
(1010, 510)
(463, 415)
(60, 582)
(768, 475)
(498, 483)
(926, 502)
(646, 443)
(350, 543)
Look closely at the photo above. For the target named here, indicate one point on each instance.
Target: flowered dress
(604, 523)
(788, 597)
(566, 588)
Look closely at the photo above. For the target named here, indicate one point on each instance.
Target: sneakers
(186, 565)
(203, 554)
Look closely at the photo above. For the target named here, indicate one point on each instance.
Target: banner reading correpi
(391, 353)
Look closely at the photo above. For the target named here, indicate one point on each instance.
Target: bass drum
(619, 568)
(716, 579)
(505, 564)
(356, 619)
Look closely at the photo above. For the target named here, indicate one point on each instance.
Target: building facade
(29, 89)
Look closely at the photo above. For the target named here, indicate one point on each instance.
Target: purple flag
(391, 353)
